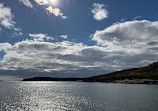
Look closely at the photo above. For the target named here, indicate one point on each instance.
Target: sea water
(77, 96)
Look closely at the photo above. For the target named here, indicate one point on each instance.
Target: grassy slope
(148, 72)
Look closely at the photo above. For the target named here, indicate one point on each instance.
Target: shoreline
(137, 81)
(126, 81)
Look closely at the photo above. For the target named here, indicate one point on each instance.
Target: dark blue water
(77, 96)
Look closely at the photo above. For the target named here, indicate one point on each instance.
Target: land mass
(143, 75)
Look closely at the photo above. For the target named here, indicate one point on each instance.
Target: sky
(76, 38)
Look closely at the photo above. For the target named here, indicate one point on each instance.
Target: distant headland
(143, 75)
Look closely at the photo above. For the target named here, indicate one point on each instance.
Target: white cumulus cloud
(130, 36)
(4, 46)
(6, 17)
(64, 36)
(55, 57)
(6, 20)
(99, 11)
(41, 37)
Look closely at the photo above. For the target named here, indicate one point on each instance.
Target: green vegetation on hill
(148, 72)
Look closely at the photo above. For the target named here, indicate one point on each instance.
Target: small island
(143, 75)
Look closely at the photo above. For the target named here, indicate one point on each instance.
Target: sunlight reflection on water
(42, 96)
(71, 96)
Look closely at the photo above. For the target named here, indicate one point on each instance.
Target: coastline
(137, 81)
(126, 81)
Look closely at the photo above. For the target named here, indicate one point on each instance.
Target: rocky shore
(137, 81)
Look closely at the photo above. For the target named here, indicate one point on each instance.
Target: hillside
(148, 72)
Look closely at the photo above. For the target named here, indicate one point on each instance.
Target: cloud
(6, 17)
(72, 58)
(49, 4)
(6, 20)
(51, 7)
(55, 11)
(64, 36)
(40, 2)
(27, 3)
(99, 11)
(4, 46)
(120, 46)
(53, 57)
(10, 78)
(41, 37)
(130, 36)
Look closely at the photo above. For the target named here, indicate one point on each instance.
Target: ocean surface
(77, 96)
